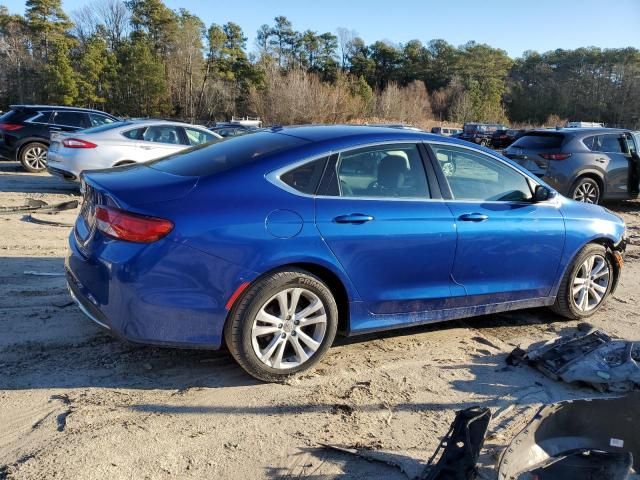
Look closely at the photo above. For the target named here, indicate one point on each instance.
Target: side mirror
(541, 194)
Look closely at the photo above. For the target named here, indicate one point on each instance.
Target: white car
(120, 143)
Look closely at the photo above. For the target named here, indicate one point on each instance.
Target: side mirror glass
(541, 194)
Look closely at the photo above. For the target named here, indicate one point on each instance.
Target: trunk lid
(527, 149)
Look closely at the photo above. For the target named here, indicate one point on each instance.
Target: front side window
(391, 171)
(162, 134)
(71, 119)
(305, 178)
(474, 176)
(97, 120)
(198, 137)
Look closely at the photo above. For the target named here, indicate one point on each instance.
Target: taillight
(9, 127)
(555, 156)
(121, 225)
(77, 143)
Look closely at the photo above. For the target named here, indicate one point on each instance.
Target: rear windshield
(539, 140)
(106, 127)
(16, 115)
(472, 128)
(208, 159)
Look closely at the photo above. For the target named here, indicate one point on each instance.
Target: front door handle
(473, 217)
(353, 218)
(601, 160)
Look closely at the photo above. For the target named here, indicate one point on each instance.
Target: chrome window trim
(273, 177)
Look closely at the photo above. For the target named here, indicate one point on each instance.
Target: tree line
(139, 58)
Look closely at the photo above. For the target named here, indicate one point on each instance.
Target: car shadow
(46, 342)
(16, 179)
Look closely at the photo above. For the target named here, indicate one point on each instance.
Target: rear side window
(305, 178)
(135, 134)
(611, 143)
(539, 141)
(16, 116)
(71, 119)
(218, 157)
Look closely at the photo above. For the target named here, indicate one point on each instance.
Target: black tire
(239, 327)
(581, 191)
(565, 304)
(31, 157)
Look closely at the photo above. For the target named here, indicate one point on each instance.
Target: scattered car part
(40, 206)
(462, 445)
(41, 221)
(594, 358)
(43, 274)
(597, 435)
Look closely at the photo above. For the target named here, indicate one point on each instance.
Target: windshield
(226, 154)
(539, 140)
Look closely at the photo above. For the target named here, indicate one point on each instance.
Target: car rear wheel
(483, 143)
(33, 157)
(586, 284)
(586, 190)
(282, 325)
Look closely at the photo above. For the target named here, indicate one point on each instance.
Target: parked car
(121, 143)
(232, 129)
(504, 138)
(587, 164)
(584, 125)
(25, 130)
(446, 131)
(480, 133)
(273, 242)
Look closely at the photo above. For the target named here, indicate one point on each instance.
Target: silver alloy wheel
(36, 158)
(586, 192)
(590, 283)
(289, 328)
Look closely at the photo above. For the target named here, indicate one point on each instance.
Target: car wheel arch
(608, 243)
(328, 276)
(593, 175)
(26, 141)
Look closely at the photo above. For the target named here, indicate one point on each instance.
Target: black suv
(25, 130)
(480, 133)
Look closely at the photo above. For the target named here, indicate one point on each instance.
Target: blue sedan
(274, 242)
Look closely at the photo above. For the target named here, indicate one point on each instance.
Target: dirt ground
(78, 404)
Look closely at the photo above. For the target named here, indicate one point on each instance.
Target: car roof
(579, 131)
(57, 107)
(143, 123)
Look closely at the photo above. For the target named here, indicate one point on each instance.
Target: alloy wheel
(36, 158)
(586, 192)
(289, 328)
(590, 283)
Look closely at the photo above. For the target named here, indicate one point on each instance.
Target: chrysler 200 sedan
(274, 242)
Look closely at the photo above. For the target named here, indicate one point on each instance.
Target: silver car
(121, 143)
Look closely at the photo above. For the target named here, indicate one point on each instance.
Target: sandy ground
(78, 404)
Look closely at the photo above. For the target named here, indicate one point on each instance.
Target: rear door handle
(353, 218)
(473, 217)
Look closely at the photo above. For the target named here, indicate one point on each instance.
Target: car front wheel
(586, 284)
(33, 157)
(282, 325)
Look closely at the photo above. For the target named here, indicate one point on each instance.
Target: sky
(514, 26)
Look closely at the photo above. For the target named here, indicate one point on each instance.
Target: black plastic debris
(34, 205)
(460, 450)
(594, 358)
(462, 445)
(578, 439)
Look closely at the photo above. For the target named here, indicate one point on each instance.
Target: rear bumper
(162, 294)
(59, 172)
